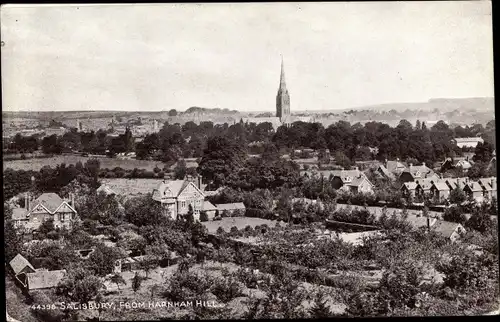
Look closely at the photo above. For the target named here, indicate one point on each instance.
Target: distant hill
(477, 104)
(205, 110)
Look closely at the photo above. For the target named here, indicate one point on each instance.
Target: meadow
(37, 164)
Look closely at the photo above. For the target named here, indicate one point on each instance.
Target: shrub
(203, 216)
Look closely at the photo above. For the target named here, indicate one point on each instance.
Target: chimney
(72, 196)
(428, 223)
(27, 201)
(199, 182)
(397, 159)
(411, 165)
(423, 164)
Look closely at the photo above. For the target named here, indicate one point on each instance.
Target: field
(37, 164)
(239, 222)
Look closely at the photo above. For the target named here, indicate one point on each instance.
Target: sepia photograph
(247, 161)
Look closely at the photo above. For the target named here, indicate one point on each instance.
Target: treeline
(100, 142)
(50, 179)
(348, 142)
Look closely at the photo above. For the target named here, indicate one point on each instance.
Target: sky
(174, 56)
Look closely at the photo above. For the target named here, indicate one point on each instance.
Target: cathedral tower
(283, 99)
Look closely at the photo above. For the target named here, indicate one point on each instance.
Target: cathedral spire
(282, 76)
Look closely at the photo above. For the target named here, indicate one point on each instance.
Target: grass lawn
(37, 164)
(239, 222)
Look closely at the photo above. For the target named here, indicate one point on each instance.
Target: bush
(226, 289)
(234, 231)
(203, 216)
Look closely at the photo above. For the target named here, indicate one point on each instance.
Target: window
(183, 204)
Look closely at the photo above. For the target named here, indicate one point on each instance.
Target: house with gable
(391, 169)
(415, 173)
(454, 183)
(352, 181)
(177, 195)
(474, 190)
(46, 206)
(440, 190)
(408, 189)
(489, 186)
(457, 162)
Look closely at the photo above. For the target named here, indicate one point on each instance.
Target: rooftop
(45, 279)
(19, 262)
(230, 206)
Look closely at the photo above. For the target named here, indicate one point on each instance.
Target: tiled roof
(358, 181)
(19, 262)
(487, 183)
(474, 139)
(208, 206)
(172, 188)
(454, 182)
(441, 185)
(410, 185)
(131, 187)
(395, 166)
(45, 279)
(230, 206)
(475, 186)
(420, 171)
(385, 171)
(445, 228)
(50, 200)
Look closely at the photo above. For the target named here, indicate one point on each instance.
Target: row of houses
(440, 189)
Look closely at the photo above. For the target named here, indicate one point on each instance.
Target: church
(283, 116)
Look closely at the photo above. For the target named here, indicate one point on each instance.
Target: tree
(483, 152)
(80, 285)
(117, 279)
(342, 160)
(102, 260)
(480, 219)
(136, 282)
(320, 309)
(172, 112)
(12, 239)
(46, 226)
(221, 158)
(454, 214)
(148, 263)
(180, 170)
